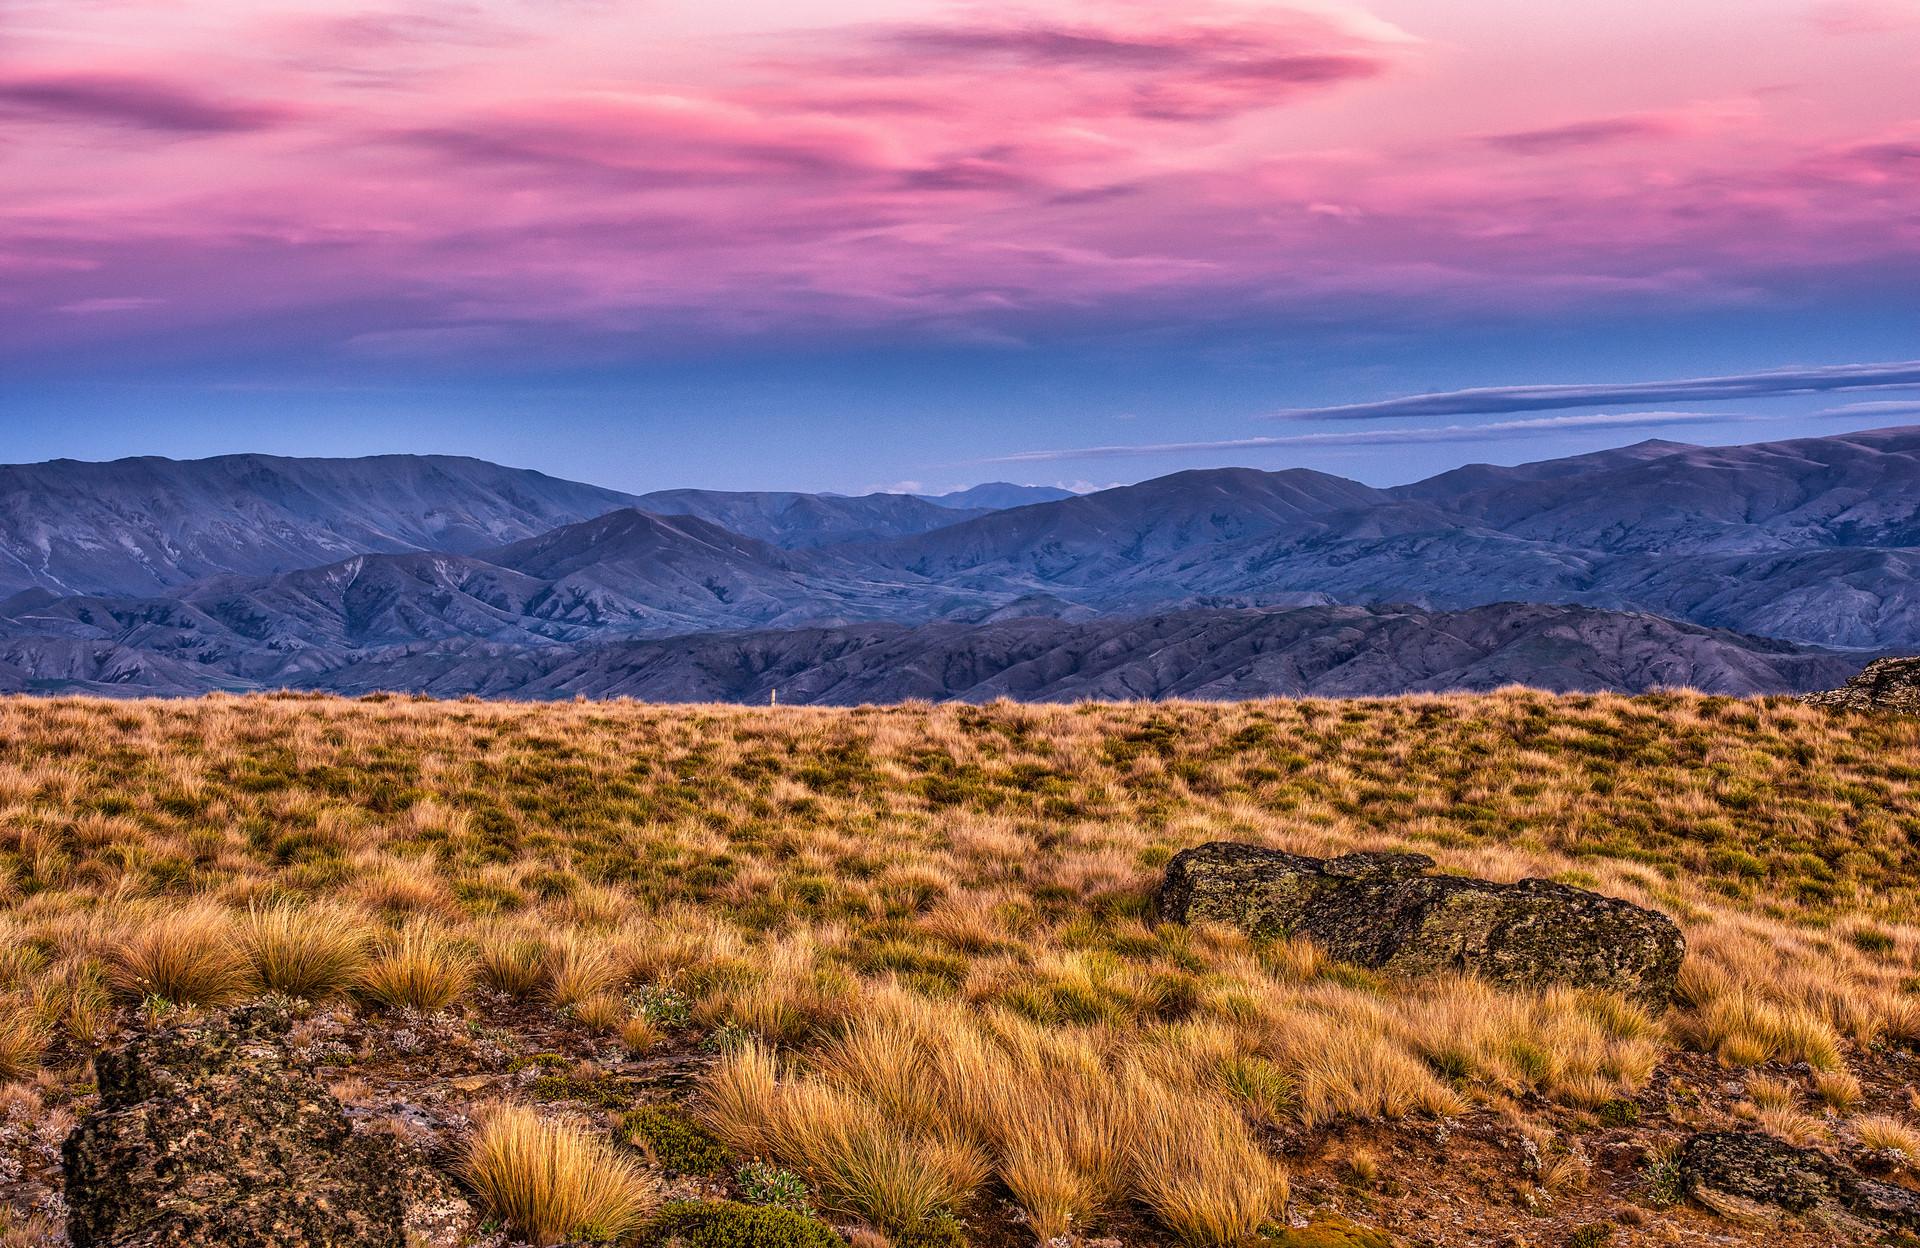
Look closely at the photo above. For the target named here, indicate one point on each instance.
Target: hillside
(801, 521)
(439, 625)
(134, 526)
(903, 958)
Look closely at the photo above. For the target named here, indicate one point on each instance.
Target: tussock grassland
(921, 932)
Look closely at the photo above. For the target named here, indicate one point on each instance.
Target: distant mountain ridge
(997, 496)
(133, 526)
(1204, 654)
(804, 521)
(1813, 541)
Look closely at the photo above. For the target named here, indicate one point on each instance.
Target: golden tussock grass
(23, 1037)
(417, 967)
(551, 1180)
(316, 950)
(1195, 1164)
(190, 956)
(1885, 1133)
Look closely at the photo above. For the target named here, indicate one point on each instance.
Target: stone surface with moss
(1883, 685)
(1385, 912)
(207, 1133)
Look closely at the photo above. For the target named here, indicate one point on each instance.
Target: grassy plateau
(753, 977)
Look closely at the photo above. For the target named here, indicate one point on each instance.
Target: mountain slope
(1087, 538)
(997, 496)
(1219, 654)
(1813, 540)
(1859, 489)
(1328, 651)
(803, 521)
(134, 526)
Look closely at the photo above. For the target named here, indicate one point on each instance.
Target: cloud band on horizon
(1389, 437)
(1495, 400)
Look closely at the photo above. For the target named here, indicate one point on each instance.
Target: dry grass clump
(190, 956)
(511, 961)
(863, 1162)
(417, 967)
(315, 951)
(23, 1038)
(1840, 1089)
(1347, 1065)
(1582, 1047)
(576, 966)
(1774, 1104)
(1887, 1134)
(784, 996)
(917, 1102)
(552, 1181)
(1198, 1168)
(1746, 1027)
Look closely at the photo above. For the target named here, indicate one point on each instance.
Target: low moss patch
(674, 1141)
(729, 1224)
(1328, 1231)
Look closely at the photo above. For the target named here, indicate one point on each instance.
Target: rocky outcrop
(1733, 1171)
(1883, 685)
(1386, 912)
(206, 1135)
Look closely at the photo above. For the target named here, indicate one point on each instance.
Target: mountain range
(1733, 568)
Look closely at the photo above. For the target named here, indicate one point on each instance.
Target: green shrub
(664, 1007)
(942, 1230)
(1662, 1180)
(1619, 1113)
(675, 1142)
(729, 1224)
(763, 1183)
(1592, 1235)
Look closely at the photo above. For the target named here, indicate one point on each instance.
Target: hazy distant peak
(998, 496)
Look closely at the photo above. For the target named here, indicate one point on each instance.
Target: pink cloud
(542, 180)
(1583, 134)
(131, 100)
(1188, 69)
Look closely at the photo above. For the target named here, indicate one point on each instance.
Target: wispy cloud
(1498, 399)
(1581, 134)
(1390, 437)
(1889, 407)
(132, 100)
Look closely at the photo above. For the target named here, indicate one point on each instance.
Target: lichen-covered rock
(1386, 912)
(1757, 1169)
(1883, 685)
(205, 1135)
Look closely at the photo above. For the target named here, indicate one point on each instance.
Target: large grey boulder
(1386, 912)
(1883, 685)
(1752, 1168)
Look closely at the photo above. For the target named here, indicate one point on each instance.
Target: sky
(853, 245)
